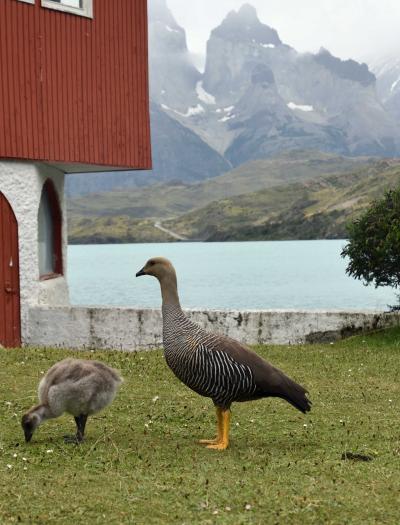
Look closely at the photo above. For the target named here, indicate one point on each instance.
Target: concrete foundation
(132, 329)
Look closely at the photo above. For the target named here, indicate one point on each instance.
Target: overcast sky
(359, 29)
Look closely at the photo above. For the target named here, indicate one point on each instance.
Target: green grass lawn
(140, 463)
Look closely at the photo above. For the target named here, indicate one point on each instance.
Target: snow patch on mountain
(170, 30)
(193, 110)
(226, 118)
(301, 107)
(205, 97)
(394, 85)
(271, 46)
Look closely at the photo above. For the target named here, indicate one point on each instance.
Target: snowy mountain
(387, 73)
(259, 96)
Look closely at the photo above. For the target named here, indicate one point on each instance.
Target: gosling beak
(141, 272)
(28, 435)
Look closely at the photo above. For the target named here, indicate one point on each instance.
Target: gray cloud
(360, 29)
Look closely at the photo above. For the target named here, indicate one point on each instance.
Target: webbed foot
(208, 441)
(72, 440)
(222, 445)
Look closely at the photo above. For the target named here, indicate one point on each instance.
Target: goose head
(163, 270)
(158, 267)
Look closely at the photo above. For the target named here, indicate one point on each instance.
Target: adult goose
(76, 386)
(213, 365)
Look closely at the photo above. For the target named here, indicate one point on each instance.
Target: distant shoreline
(112, 243)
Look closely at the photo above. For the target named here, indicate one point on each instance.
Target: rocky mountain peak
(248, 13)
(346, 69)
(160, 12)
(165, 34)
(258, 96)
(244, 26)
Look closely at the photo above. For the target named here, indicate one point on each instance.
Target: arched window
(50, 233)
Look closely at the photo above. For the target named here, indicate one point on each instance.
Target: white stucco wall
(22, 183)
(132, 329)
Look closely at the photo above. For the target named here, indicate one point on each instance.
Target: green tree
(374, 243)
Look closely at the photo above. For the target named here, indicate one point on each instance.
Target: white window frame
(86, 10)
(27, 1)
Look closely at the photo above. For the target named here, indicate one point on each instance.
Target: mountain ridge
(312, 209)
(173, 198)
(314, 100)
(257, 97)
(133, 216)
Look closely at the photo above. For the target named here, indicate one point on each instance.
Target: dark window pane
(46, 235)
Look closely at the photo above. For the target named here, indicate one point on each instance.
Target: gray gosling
(76, 386)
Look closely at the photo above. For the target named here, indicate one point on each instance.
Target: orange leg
(221, 442)
(219, 430)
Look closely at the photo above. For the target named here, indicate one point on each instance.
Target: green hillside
(316, 209)
(113, 230)
(300, 198)
(176, 198)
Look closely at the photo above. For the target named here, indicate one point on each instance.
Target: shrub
(374, 243)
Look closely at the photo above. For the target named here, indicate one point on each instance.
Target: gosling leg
(80, 427)
(80, 430)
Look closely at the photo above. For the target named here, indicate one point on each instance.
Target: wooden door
(10, 318)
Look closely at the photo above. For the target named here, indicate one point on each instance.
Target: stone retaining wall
(133, 329)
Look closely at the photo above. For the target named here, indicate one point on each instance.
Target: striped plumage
(216, 366)
(194, 356)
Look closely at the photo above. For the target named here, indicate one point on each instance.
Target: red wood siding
(75, 89)
(10, 324)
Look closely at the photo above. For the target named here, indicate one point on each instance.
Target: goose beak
(141, 272)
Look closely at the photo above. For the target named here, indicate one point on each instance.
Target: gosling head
(158, 267)
(30, 421)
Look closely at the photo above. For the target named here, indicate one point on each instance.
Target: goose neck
(169, 291)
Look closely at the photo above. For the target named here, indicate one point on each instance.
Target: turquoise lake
(231, 275)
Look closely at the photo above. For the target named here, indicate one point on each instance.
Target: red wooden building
(73, 98)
